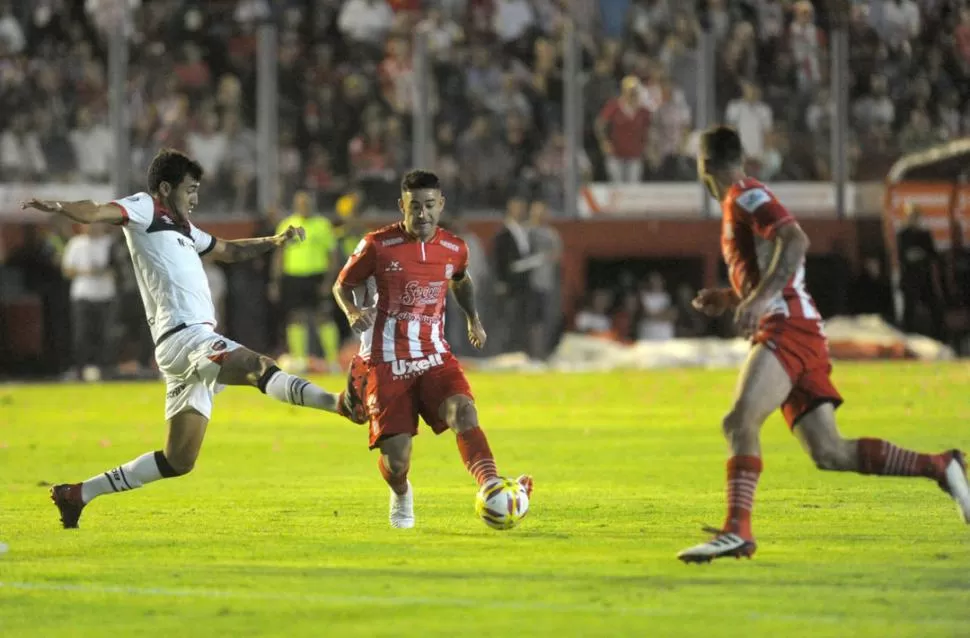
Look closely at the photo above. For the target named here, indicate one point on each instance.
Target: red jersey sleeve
(462, 266)
(765, 213)
(361, 265)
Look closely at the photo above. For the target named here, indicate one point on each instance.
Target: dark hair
(417, 179)
(721, 146)
(172, 166)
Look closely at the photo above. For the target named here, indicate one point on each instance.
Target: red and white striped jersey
(412, 284)
(751, 216)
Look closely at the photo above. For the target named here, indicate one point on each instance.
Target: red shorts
(399, 392)
(803, 352)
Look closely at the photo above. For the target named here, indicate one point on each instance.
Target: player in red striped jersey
(411, 370)
(788, 366)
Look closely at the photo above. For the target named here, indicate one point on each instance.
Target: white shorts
(190, 363)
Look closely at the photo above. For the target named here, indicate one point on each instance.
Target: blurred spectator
(875, 110)
(365, 22)
(483, 161)
(920, 280)
(240, 159)
(918, 134)
(92, 141)
(21, 157)
(871, 292)
(550, 163)
(753, 120)
(56, 148)
(511, 249)
(11, 33)
(207, 144)
(669, 126)
(659, 313)
(510, 100)
(807, 45)
(396, 77)
(593, 317)
(133, 343)
(689, 323)
(546, 245)
(622, 130)
(87, 263)
(512, 20)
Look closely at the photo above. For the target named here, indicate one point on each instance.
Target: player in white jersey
(196, 361)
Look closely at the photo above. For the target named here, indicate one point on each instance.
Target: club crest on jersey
(394, 266)
(449, 270)
(416, 294)
(752, 199)
(168, 220)
(404, 369)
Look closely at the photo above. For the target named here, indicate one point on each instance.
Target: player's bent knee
(461, 415)
(397, 465)
(834, 457)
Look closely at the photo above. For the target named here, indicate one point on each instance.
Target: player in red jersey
(788, 366)
(411, 370)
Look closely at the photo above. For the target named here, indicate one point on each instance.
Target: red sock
(742, 480)
(398, 483)
(474, 450)
(882, 457)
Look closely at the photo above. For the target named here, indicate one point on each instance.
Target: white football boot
(955, 483)
(723, 545)
(402, 509)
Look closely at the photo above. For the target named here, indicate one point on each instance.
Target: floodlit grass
(282, 528)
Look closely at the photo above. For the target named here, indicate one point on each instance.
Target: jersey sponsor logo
(394, 266)
(219, 346)
(405, 317)
(406, 369)
(449, 270)
(752, 199)
(393, 241)
(174, 392)
(416, 294)
(450, 246)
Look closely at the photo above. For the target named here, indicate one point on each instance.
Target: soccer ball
(501, 503)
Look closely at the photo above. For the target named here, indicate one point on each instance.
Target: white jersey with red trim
(751, 216)
(167, 257)
(412, 279)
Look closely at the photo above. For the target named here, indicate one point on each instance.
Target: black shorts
(535, 307)
(301, 293)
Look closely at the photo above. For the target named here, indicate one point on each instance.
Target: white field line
(438, 602)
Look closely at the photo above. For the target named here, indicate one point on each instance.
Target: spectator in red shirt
(621, 129)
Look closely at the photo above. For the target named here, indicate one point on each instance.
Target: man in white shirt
(196, 362)
(93, 146)
(752, 118)
(365, 21)
(87, 263)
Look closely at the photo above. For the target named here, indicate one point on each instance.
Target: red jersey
(751, 216)
(628, 128)
(412, 284)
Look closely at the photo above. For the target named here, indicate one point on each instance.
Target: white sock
(295, 390)
(129, 476)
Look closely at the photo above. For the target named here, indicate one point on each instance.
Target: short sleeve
(361, 265)
(462, 268)
(204, 242)
(766, 214)
(137, 210)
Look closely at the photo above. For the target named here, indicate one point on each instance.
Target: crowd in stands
(347, 88)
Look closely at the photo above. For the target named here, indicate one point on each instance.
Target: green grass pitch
(282, 529)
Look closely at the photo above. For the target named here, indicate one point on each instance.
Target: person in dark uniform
(919, 264)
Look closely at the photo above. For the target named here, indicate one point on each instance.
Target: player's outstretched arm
(464, 291)
(233, 250)
(83, 212)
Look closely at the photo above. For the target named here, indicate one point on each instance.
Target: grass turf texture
(282, 529)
